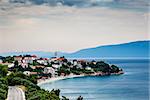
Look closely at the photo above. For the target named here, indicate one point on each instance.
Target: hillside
(132, 49)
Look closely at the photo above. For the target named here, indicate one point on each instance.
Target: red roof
(34, 56)
(44, 58)
(18, 57)
(82, 61)
(60, 59)
(33, 73)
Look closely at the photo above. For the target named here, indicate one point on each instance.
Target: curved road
(15, 93)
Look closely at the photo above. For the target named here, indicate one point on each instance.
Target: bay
(133, 85)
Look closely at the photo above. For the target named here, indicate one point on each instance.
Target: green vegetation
(63, 70)
(3, 88)
(8, 59)
(64, 98)
(3, 82)
(79, 71)
(104, 67)
(3, 70)
(33, 91)
(80, 98)
(35, 63)
(13, 75)
(40, 94)
(99, 66)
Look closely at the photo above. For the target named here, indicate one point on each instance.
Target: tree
(114, 68)
(80, 98)
(8, 59)
(35, 63)
(64, 98)
(84, 65)
(16, 63)
(3, 70)
(57, 92)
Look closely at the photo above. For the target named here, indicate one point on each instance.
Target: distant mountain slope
(132, 49)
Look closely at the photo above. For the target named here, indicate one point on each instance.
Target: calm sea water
(133, 85)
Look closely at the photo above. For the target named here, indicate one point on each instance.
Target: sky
(70, 25)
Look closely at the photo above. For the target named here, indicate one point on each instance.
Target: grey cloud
(66, 28)
(123, 4)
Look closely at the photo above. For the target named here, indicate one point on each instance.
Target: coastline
(50, 80)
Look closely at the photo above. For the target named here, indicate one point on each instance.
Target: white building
(75, 63)
(56, 65)
(42, 61)
(94, 62)
(28, 60)
(88, 68)
(48, 70)
(24, 65)
(79, 66)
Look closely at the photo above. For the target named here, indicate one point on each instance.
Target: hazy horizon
(76, 50)
(68, 26)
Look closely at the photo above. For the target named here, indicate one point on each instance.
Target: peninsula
(31, 71)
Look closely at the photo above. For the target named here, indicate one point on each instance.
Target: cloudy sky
(70, 25)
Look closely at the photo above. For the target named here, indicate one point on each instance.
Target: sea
(132, 85)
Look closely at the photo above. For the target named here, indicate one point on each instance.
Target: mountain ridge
(108, 50)
(131, 49)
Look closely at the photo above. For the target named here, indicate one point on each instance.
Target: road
(15, 93)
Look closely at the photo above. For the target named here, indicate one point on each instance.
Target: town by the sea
(132, 85)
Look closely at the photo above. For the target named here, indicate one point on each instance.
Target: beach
(50, 80)
(53, 79)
